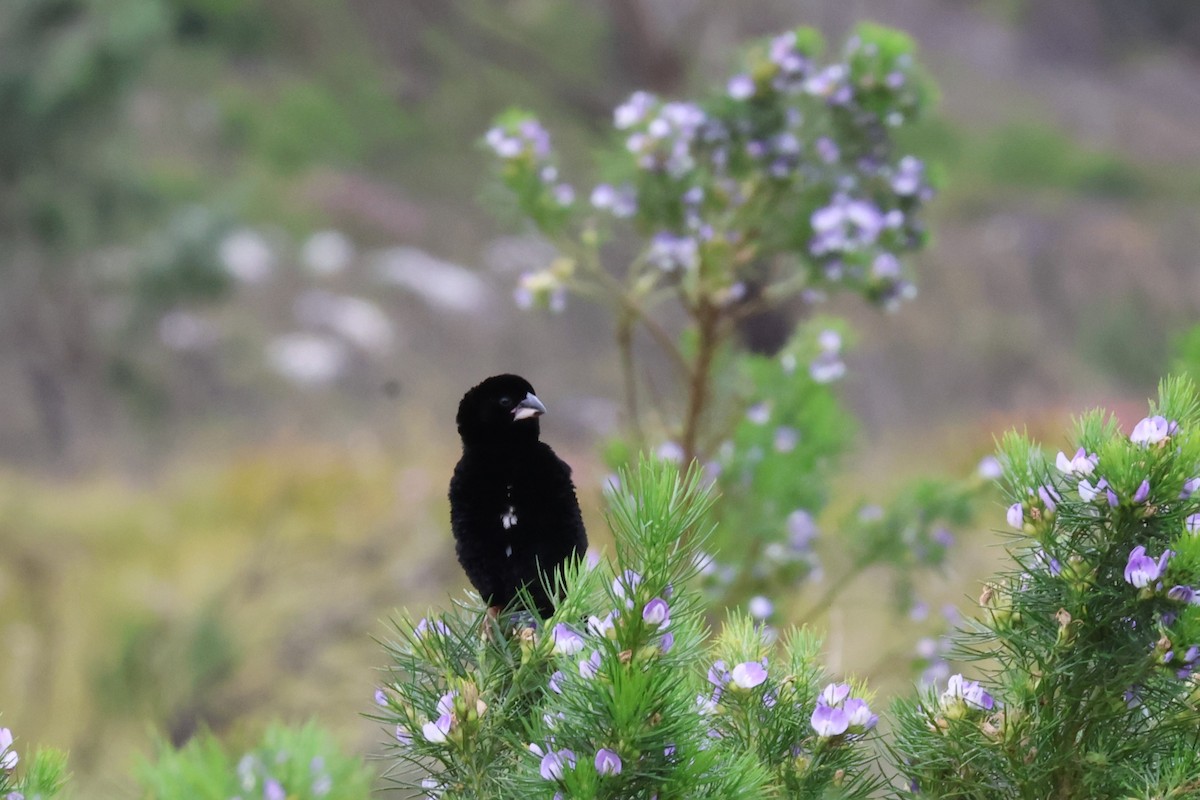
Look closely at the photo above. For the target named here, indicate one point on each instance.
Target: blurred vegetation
(136, 135)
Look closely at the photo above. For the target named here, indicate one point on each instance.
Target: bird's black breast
(514, 513)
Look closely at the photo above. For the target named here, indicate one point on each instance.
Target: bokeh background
(248, 269)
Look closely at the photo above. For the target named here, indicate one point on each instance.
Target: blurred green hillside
(247, 274)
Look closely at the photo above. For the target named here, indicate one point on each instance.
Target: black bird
(512, 503)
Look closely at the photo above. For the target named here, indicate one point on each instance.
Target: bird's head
(500, 409)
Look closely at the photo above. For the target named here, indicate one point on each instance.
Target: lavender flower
(556, 680)
(634, 110)
(566, 641)
(859, 715)
(1192, 524)
(1050, 498)
(425, 627)
(1152, 430)
(827, 367)
(589, 668)
(834, 694)
(1016, 516)
(381, 698)
(404, 736)
(608, 762)
(909, 176)
(657, 612)
(760, 607)
(555, 762)
(1182, 594)
(667, 642)
(845, 225)
(273, 790)
(741, 87)
(436, 731)
(959, 690)
(601, 627)
(718, 675)
(1142, 570)
(1189, 488)
(748, 674)
(828, 721)
(1079, 464)
(1142, 494)
(669, 252)
(989, 468)
(8, 756)
(786, 438)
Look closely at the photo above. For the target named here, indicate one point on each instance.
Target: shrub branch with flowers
(622, 693)
(785, 185)
(1089, 646)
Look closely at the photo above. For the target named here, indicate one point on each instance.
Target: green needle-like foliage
(622, 693)
(1089, 641)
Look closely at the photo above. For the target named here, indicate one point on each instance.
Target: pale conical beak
(529, 407)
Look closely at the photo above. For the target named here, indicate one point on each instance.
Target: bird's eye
(506, 402)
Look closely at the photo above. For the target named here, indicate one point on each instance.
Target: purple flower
(608, 762)
(760, 607)
(667, 642)
(669, 252)
(425, 627)
(970, 692)
(802, 529)
(741, 87)
(601, 627)
(437, 730)
(591, 666)
(633, 110)
(834, 694)
(1192, 523)
(827, 367)
(404, 735)
(1016, 516)
(621, 203)
(272, 790)
(1181, 594)
(1079, 464)
(909, 173)
(989, 468)
(8, 756)
(554, 763)
(657, 612)
(828, 721)
(566, 641)
(718, 676)
(1111, 496)
(827, 151)
(1142, 570)
(1088, 492)
(1189, 488)
(556, 681)
(859, 715)
(1050, 498)
(1142, 493)
(381, 698)
(748, 674)
(786, 438)
(1152, 430)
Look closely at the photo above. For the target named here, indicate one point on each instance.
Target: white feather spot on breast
(509, 518)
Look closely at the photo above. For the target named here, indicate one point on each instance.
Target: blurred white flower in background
(441, 284)
(327, 253)
(184, 331)
(247, 256)
(307, 359)
(359, 321)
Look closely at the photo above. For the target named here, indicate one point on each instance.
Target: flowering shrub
(621, 693)
(785, 184)
(41, 775)
(1087, 649)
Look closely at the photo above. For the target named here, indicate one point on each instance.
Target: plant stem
(707, 319)
(629, 377)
